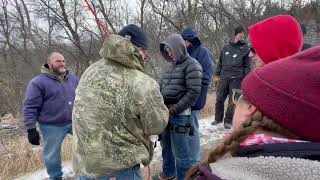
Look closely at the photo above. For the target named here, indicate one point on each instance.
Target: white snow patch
(42, 174)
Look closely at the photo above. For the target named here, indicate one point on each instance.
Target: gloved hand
(33, 136)
(216, 81)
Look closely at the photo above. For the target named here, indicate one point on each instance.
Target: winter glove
(216, 81)
(33, 136)
(172, 112)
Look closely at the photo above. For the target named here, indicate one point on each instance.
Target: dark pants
(224, 90)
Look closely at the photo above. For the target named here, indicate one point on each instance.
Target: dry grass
(18, 157)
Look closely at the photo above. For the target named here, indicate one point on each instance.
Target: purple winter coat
(48, 100)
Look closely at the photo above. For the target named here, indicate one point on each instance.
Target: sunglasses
(236, 94)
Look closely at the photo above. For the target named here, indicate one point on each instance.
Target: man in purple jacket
(49, 101)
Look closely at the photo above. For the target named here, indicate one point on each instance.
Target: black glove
(33, 136)
(172, 112)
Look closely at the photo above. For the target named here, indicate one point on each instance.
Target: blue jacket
(49, 100)
(205, 58)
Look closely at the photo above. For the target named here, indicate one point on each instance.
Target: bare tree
(29, 30)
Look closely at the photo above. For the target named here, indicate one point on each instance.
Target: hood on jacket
(276, 37)
(119, 49)
(176, 43)
(191, 36)
(45, 70)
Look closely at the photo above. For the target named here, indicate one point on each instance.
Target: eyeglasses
(236, 94)
(144, 51)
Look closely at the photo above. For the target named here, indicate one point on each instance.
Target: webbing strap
(104, 29)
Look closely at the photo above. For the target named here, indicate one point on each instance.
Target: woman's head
(247, 113)
(288, 91)
(275, 38)
(282, 98)
(244, 110)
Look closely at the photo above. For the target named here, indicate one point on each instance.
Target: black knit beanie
(136, 35)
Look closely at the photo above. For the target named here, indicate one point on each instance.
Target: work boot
(227, 126)
(215, 123)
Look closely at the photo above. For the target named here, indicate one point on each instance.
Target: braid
(269, 125)
(230, 144)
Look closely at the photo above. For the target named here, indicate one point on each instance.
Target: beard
(59, 71)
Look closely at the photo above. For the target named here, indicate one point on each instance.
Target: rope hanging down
(104, 29)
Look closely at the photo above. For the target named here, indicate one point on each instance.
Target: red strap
(149, 173)
(105, 30)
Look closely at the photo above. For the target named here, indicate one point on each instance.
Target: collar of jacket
(192, 48)
(305, 150)
(240, 43)
(180, 61)
(266, 168)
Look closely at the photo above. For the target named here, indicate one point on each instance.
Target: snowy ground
(208, 133)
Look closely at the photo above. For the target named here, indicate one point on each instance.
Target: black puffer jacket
(234, 61)
(181, 82)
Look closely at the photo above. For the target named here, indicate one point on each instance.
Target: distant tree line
(30, 30)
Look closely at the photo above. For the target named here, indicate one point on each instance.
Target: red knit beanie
(276, 37)
(288, 91)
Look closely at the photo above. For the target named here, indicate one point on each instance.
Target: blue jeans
(53, 137)
(176, 149)
(195, 139)
(126, 174)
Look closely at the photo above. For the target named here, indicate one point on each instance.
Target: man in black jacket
(233, 65)
(180, 88)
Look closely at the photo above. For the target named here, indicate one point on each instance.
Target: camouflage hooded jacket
(117, 107)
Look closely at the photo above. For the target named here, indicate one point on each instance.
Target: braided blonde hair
(232, 143)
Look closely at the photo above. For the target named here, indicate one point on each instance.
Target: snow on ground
(208, 133)
(42, 174)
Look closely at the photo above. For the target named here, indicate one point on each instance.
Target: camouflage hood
(176, 43)
(119, 49)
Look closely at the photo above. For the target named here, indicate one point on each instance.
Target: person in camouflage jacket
(117, 108)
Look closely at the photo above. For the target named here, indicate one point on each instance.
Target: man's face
(144, 53)
(187, 43)
(57, 64)
(239, 37)
(170, 54)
